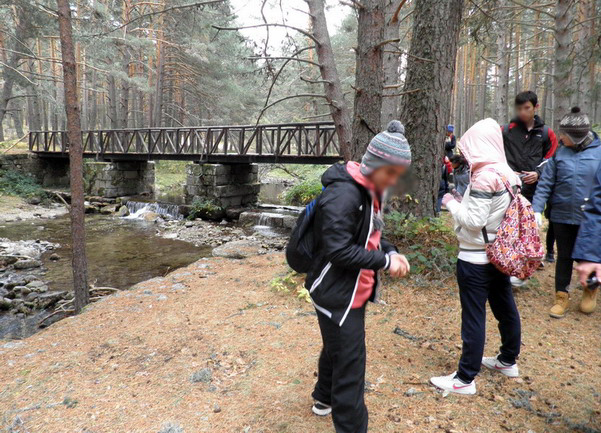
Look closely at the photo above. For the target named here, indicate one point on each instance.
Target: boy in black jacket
(349, 253)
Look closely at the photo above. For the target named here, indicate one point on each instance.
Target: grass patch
(298, 171)
(169, 174)
(21, 147)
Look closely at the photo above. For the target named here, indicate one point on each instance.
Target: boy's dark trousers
(477, 284)
(341, 377)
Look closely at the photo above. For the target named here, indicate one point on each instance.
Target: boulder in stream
(240, 249)
(123, 211)
(27, 264)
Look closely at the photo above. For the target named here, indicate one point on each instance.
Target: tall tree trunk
(10, 69)
(332, 86)
(80, 265)
(368, 76)
(391, 63)
(112, 108)
(459, 100)
(563, 65)
(16, 106)
(158, 105)
(426, 103)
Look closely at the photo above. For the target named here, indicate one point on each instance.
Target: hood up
(482, 147)
(336, 173)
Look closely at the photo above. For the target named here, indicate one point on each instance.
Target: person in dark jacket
(588, 253)
(444, 183)
(450, 141)
(528, 142)
(348, 255)
(461, 173)
(566, 182)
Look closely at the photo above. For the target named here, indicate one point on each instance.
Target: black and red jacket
(528, 150)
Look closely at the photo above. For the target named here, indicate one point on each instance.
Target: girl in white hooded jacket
(478, 214)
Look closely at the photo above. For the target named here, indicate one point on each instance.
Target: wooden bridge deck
(299, 143)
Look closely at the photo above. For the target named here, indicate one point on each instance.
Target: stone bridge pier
(226, 185)
(118, 179)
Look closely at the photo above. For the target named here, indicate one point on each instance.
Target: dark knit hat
(575, 125)
(389, 147)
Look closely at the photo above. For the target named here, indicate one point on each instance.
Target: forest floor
(213, 348)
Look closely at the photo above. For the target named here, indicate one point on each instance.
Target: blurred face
(387, 176)
(449, 133)
(526, 111)
(566, 140)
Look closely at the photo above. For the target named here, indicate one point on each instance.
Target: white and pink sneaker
(493, 363)
(452, 383)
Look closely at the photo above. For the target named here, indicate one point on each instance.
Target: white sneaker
(516, 282)
(493, 363)
(321, 409)
(452, 383)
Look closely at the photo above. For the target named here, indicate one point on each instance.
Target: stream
(121, 252)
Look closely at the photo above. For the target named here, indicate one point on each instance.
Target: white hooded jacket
(486, 200)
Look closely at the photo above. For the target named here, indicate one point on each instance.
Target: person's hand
(539, 219)
(447, 198)
(529, 177)
(585, 269)
(456, 195)
(399, 266)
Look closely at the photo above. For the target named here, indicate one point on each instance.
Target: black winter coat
(343, 225)
(528, 150)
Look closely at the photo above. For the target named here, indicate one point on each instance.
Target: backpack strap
(485, 234)
(509, 190)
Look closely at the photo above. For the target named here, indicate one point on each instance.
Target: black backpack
(300, 248)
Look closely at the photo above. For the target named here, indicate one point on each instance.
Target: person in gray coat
(566, 182)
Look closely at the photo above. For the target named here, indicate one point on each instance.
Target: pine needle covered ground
(214, 348)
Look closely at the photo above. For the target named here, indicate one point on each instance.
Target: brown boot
(589, 300)
(562, 302)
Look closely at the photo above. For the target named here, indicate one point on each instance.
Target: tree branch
(300, 95)
(395, 16)
(255, 26)
(153, 13)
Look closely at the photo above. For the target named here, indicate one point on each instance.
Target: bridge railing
(295, 139)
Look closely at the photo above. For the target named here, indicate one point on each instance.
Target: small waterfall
(270, 220)
(137, 209)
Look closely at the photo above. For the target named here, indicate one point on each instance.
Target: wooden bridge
(300, 143)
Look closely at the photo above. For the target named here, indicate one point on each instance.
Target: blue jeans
(478, 284)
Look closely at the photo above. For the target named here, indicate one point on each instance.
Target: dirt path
(127, 364)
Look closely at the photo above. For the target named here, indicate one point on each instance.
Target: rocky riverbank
(22, 289)
(227, 239)
(17, 209)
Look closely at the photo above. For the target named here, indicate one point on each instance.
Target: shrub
(205, 209)
(302, 193)
(292, 283)
(429, 243)
(22, 185)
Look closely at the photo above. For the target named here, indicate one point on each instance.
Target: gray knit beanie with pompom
(389, 147)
